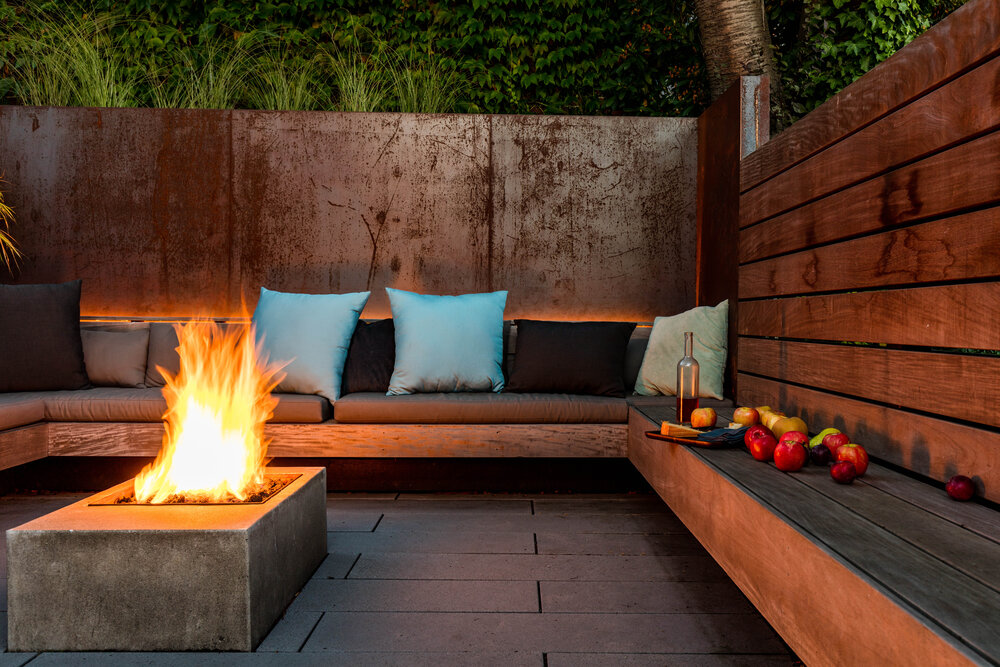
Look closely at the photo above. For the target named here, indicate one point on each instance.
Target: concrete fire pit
(163, 577)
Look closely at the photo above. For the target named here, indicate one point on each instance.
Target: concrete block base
(163, 577)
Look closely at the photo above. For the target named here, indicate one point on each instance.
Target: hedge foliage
(515, 56)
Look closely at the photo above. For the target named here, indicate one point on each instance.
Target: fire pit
(163, 577)
(203, 550)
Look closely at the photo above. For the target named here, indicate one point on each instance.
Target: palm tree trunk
(735, 42)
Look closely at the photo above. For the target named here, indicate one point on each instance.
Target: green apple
(818, 438)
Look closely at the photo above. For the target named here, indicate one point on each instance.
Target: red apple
(762, 448)
(843, 472)
(854, 453)
(755, 432)
(794, 436)
(790, 455)
(960, 487)
(835, 441)
(703, 418)
(746, 416)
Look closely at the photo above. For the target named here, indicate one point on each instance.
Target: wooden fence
(869, 258)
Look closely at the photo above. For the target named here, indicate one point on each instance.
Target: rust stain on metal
(182, 212)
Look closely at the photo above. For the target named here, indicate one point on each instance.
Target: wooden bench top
(936, 559)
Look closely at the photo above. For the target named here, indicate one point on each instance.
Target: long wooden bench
(887, 570)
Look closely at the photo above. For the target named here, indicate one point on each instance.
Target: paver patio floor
(457, 579)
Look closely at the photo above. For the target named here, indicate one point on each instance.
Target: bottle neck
(689, 344)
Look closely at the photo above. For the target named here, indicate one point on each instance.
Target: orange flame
(217, 404)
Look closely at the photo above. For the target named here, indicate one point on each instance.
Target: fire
(217, 404)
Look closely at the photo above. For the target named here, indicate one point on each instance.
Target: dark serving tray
(715, 439)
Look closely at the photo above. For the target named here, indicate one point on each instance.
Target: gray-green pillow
(658, 373)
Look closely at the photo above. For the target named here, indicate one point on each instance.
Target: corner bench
(887, 570)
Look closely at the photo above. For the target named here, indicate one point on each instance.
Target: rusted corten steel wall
(186, 212)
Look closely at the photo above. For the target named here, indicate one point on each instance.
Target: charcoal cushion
(116, 357)
(570, 357)
(40, 331)
(162, 353)
(480, 408)
(370, 358)
(113, 404)
(21, 409)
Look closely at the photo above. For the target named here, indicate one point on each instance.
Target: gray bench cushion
(480, 408)
(113, 404)
(21, 408)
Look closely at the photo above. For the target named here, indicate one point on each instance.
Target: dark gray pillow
(570, 357)
(115, 357)
(162, 352)
(370, 358)
(40, 334)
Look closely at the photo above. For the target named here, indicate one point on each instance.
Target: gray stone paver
(566, 523)
(336, 565)
(453, 579)
(518, 567)
(645, 504)
(622, 544)
(643, 597)
(669, 660)
(625, 633)
(417, 595)
(325, 659)
(290, 632)
(405, 506)
(351, 520)
(436, 542)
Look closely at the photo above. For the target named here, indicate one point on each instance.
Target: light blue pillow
(313, 333)
(447, 343)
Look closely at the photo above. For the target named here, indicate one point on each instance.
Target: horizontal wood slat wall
(918, 129)
(954, 385)
(968, 36)
(875, 220)
(929, 316)
(962, 247)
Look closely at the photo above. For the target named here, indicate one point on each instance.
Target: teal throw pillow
(313, 333)
(447, 343)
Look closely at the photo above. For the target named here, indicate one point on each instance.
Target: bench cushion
(113, 404)
(21, 409)
(480, 408)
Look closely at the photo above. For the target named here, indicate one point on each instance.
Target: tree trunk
(735, 42)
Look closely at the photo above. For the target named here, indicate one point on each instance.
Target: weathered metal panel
(133, 201)
(339, 202)
(595, 215)
(188, 212)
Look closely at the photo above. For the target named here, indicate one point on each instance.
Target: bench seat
(878, 571)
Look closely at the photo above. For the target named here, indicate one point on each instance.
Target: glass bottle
(687, 380)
